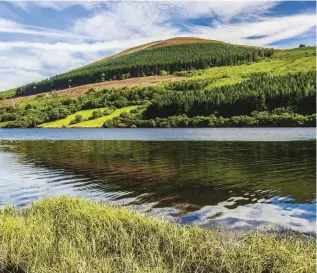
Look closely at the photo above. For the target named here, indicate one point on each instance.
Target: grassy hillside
(97, 123)
(64, 234)
(65, 121)
(295, 52)
(230, 75)
(277, 91)
(8, 94)
(154, 59)
(86, 114)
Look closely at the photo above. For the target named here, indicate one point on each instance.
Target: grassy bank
(74, 235)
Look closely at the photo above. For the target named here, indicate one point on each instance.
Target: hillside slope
(275, 91)
(157, 58)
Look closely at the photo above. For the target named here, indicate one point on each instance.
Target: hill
(279, 90)
(157, 58)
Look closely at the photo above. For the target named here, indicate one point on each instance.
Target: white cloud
(269, 29)
(224, 10)
(126, 21)
(56, 5)
(8, 26)
(13, 77)
(19, 61)
(39, 63)
(67, 47)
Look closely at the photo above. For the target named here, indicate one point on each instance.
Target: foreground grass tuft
(64, 234)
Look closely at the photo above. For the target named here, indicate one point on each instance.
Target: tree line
(295, 93)
(262, 92)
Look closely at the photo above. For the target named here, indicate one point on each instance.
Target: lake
(165, 134)
(268, 179)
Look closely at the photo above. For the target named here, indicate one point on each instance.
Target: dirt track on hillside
(78, 91)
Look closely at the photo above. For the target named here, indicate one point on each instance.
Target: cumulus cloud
(126, 21)
(13, 77)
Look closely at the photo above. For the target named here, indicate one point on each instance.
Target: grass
(65, 122)
(295, 52)
(230, 75)
(64, 234)
(7, 94)
(97, 123)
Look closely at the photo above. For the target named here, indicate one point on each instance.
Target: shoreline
(65, 234)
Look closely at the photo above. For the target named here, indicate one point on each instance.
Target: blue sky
(43, 38)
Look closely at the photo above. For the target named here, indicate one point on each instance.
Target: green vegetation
(260, 93)
(85, 114)
(230, 75)
(257, 119)
(73, 235)
(151, 61)
(88, 118)
(98, 122)
(277, 91)
(296, 52)
(7, 94)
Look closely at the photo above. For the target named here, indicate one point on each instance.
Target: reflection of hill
(200, 173)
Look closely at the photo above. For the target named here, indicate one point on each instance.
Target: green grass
(64, 234)
(7, 94)
(65, 122)
(97, 123)
(296, 52)
(230, 75)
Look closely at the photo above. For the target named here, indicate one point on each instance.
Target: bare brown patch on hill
(181, 41)
(78, 91)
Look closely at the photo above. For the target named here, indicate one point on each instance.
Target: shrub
(77, 119)
(96, 114)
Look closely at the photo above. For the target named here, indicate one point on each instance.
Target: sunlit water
(241, 185)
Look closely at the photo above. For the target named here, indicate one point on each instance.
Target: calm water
(236, 184)
(175, 134)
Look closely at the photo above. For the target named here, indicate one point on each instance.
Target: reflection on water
(237, 184)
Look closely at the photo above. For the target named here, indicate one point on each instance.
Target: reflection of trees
(201, 173)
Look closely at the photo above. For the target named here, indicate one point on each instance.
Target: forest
(259, 101)
(147, 62)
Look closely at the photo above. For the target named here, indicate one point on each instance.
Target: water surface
(166, 134)
(236, 184)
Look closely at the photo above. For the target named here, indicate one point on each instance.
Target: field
(97, 123)
(65, 122)
(85, 114)
(64, 234)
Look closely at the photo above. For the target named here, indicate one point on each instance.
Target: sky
(39, 39)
